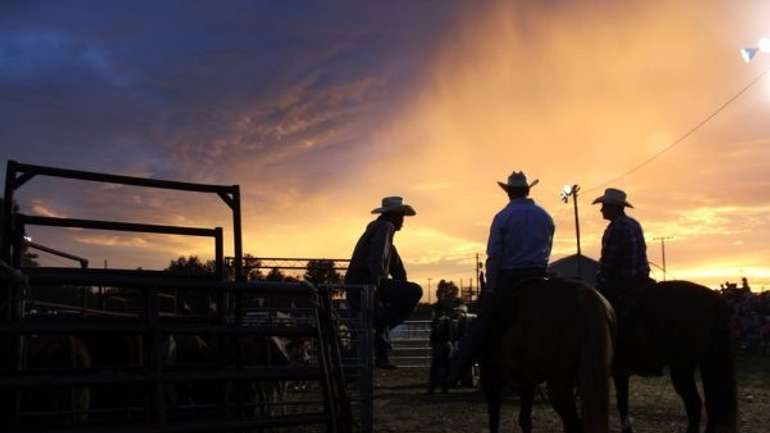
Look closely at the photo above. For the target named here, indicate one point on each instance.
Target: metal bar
(341, 398)
(156, 279)
(199, 426)
(237, 233)
(94, 326)
(575, 190)
(300, 268)
(56, 306)
(119, 179)
(117, 226)
(157, 412)
(238, 251)
(49, 250)
(219, 296)
(225, 196)
(295, 259)
(325, 360)
(367, 376)
(10, 187)
(44, 273)
(219, 253)
(24, 178)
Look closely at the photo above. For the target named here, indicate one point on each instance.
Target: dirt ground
(402, 405)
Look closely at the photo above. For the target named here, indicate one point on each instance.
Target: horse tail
(718, 374)
(597, 336)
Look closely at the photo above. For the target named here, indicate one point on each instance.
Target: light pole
(478, 269)
(662, 240)
(567, 192)
(429, 289)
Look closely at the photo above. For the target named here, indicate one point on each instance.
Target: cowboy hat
(395, 204)
(517, 179)
(613, 196)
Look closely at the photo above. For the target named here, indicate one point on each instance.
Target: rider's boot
(382, 350)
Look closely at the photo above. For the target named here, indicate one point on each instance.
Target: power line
(685, 136)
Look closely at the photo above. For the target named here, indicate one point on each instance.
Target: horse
(562, 333)
(681, 325)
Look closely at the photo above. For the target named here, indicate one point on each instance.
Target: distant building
(567, 267)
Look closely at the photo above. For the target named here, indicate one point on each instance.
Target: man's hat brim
(506, 187)
(604, 200)
(402, 209)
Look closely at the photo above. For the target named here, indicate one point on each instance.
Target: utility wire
(685, 136)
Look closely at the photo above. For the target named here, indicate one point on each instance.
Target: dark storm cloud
(200, 90)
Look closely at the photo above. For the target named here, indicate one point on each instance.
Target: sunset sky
(319, 109)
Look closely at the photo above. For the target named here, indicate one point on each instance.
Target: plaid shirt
(624, 253)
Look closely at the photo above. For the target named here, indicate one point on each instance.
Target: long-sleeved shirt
(375, 257)
(521, 237)
(624, 252)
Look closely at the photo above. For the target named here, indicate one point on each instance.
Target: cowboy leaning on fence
(374, 258)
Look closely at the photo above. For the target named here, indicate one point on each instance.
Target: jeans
(394, 303)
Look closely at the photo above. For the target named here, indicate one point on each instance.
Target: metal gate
(152, 368)
(354, 329)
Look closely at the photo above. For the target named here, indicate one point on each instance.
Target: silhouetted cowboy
(374, 258)
(623, 266)
(519, 246)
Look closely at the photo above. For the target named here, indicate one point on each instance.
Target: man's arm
(553, 231)
(379, 251)
(612, 250)
(397, 270)
(494, 253)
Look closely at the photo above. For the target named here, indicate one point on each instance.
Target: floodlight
(748, 53)
(567, 191)
(764, 44)
(28, 238)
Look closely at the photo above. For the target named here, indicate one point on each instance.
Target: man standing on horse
(518, 248)
(623, 266)
(374, 258)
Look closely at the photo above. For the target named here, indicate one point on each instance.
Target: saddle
(500, 306)
(628, 296)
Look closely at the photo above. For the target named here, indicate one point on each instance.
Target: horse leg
(527, 395)
(493, 391)
(684, 383)
(562, 398)
(621, 398)
(718, 374)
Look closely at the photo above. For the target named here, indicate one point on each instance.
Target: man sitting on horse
(518, 248)
(374, 258)
(623, 267)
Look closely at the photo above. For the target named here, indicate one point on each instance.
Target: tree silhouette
(191, 265)
(196, 300)
(251, 268)
(322, 271)
(275, 274)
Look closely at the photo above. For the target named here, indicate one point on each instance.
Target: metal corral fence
(163, 372)
(353, 323)
(411, 344)
(354, 328)
(173, 352)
